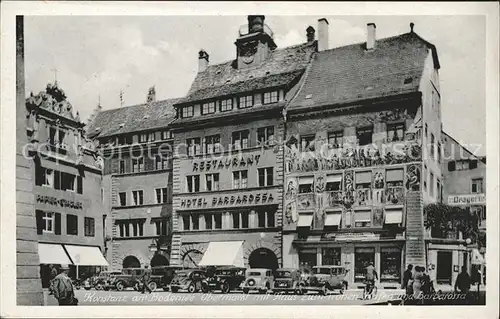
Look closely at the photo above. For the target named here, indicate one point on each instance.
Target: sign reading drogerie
(220, 201)
(466, 200)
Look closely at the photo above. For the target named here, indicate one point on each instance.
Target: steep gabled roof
(351, 73)
(132, 119)
(281, 68)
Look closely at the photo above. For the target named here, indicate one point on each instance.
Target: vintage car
(259, 279)
(226, 279)
(103, 280)
(192, 280)
(287, 280)
(163, 275)
(324, 279)
(132, 277)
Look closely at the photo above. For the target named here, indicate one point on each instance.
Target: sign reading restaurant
(240, 160)
(465, 200)
(222, 201)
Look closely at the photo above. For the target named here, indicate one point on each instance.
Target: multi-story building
(67, 185)
(361, 138)
(228, 162)
(137, 180)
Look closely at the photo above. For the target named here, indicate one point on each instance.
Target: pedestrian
(407, 276)
(462, 283)
(145, 280)
(417, 283)
(62, 288)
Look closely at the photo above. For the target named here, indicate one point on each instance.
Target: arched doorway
(159, 260)
(131, 262)
(263, 258)
(192, 258)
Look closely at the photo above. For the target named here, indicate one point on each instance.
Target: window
(394, 177)
(212, 182)
(186, 222)
(208, 221)
(151, 137)
(335, 139)
(477, 185)
(161, 195)
(472, 164)
(89, 224)
(363, 180)
(451, 166)
(240, 140)
(431, 184)
(138, 197)
(165, 135)
(68, 181)
(218, 221)
(362, 258)
(236, 220)
(71, 224)
(143, 138)
(194, 146)
(121, 167)
(162, 162)
(137, 165)
(395, 132)
(438, 189)
(426, 130)
(193, 183)
(307, 143)
(124, 140)
(195, 219)
(390, 264)
(136, 225)
(240, 179)
(364, 135)
(226, 105)
(265, 218)
(212, 144)
(425, 177)
(331, 256)
(208, 108)
(187, 111)
(56, 136)
(123, 198)
(362, 218)
(439, 152)
(47, 222)
(79, 185)
(270, 218)
(245, 101)
(270, 97)
(244, 219)
(333, 182)
(306, 184)
(161, 227)
(44, 177)
(52, 136)
(265, 135)
(266, 176)
(462, 165)
(432, 146)
(261, 218)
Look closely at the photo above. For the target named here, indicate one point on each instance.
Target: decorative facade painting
(348, 188)
(319, 188)
(306, 201)
(349, 215)
(378, 178)
(378, 197)
(413, 177)
(291, 216)
(291, 190)
(395, 195)
(378, 217)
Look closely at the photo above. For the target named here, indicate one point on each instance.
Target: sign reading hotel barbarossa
(222, 201)
(465, 200)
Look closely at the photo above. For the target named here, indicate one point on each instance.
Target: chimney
(151, 94)
(255, 23)
(371, 29)
(202, 60)
(322, 34)
(310, 34)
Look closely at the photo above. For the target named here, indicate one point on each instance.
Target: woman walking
(418, 277)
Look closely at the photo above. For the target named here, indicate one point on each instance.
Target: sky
(94, 57)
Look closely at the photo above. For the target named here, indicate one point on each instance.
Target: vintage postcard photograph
(231, 160)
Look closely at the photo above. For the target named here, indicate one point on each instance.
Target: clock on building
(247, 52)
(192, 258)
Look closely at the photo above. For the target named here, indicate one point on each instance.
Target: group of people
(417, 283)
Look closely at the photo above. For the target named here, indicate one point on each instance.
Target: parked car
(163, 275)
(226, 279)
(132, 277)
(326, 278)
(258, 279)
(192, 280)
(287, 280)
(103, 280)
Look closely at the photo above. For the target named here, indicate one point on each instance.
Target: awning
(333, 219)
(223, 253)
(305, 220)
(53, 254)
(305, 180)
(363, 177)
(362, 216)
(86, 255)
(393, 216)
(394, 175)
(334, 178)
(477, 259)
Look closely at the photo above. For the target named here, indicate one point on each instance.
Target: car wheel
(224, 287)
(204, 287)
(300, 290)
(105, 288)
(174, 289)
(246, 290)
(120, 286)
(165, 288)
(191, 288)
(343, 288)
(87, 288)
(98, 287)
(153, 286)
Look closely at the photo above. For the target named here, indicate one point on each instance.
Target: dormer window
(270, 97)
(187, 111)
(245, 101)
(226, 105)
(208, 108)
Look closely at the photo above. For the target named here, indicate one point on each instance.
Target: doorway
(444, 267)
(263, 258)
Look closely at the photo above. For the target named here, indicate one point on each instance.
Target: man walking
(62, 288)
(407, 276)
(463, 284)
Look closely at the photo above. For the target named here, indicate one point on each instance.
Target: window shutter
(57, 223)
(451, 166)
(79, 187)
(473, 164)
(39, 222)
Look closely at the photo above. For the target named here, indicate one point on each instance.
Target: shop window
(161, 195)
(138, 197)
(212, 182)
(240, 179)
(194, 146)
(362, 219)
(364, 135)
(477, 185)
(331, 256)
(186, 222)
(218, 221)
(245, 101)
(208, 108)
(71, 224)
(187, 111)
(395, 132)
(212, 144)
(89, 224)
(362, 258)
(306, 184)
(193, 183)
(270, 97)
(123, 198)
(335, 139)
(240, 140)
(266, 176)
(363, 180)
(390, 264)
(333, 182)
(137, 165)
(307, 143)
(394, 177)
(226, 105)
(265, 135)
(195, 221)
